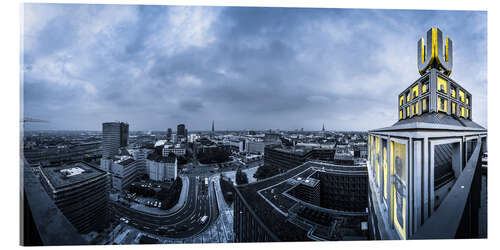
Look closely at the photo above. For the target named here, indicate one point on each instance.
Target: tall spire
(213, 129)
(323, 127)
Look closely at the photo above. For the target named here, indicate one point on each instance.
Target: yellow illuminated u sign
(432, 54)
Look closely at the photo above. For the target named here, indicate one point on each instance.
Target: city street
(185, 222)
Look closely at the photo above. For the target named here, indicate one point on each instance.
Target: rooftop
(70, 174)
(434, 120)
(269, 201)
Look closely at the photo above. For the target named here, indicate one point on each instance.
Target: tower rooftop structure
(424, 178)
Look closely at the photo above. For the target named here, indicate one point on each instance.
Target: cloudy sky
(245, 68)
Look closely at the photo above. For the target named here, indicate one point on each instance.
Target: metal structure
(424, 179)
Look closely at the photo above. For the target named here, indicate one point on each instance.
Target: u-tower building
(424, 179)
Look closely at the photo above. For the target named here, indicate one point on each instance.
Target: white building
(161, 168)
(177, 149)
(123, 172)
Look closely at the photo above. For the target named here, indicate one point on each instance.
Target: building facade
(81, 192)
(423, 177)
(161, 168)
(114, 136)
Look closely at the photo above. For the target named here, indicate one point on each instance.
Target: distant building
(114, 136)
(254, 146)
(169, 134)
(181, 131)
(177, 149)
(81, 192)
(161, 168)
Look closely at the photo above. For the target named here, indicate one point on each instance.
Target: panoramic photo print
(156, 124)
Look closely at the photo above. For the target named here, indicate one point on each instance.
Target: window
(414, 91)
(461, 95)
(442, 85)
(424, 105)
(408, 97)
(442, 105)
(467, 100)
(462, 111)
(453, 108)
(424, 87)
(453, 92)
(408, 111)
(467, 113)
(400, 114)
(414, 109)
(401, 100)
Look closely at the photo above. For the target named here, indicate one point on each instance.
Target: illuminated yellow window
(408, 111)
(453, 92)
(401, 100)
(467, 113)
(453, 108)
(400, 114)
(461, 95)
(407, 97)
(467, 100)
(442, 85)
(414, 91)
(462, 111)
(424, 88)
(424, 105)
(442, 104)
(414, 109)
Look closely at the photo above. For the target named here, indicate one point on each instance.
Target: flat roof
(269, 202)
(70, 174)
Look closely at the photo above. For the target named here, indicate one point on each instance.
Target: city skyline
(246, 68)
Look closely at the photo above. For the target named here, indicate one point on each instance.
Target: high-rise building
(169, 134)
(114, 136)
(424, 170)
(181, 130)
(81, 192)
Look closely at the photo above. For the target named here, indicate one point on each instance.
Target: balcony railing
(458, 214)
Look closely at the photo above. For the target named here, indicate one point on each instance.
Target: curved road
(185, 222)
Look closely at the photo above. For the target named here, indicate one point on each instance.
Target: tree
(241, 177)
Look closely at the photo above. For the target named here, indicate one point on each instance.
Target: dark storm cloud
(245, 68)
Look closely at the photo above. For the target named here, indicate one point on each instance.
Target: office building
(302, 205)
(114, 136)
(181, 131)
(424, 178)
(123, 172)
(161, 168)
(177, 149)
(81, 192)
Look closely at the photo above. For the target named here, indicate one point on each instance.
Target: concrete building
(161, 168)
(181, 131)
(425, 182)
(177, 149)
(140, 155)
(297, 205)
(284, 158)
(81, 192)
(114, 136)
(123, 172)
